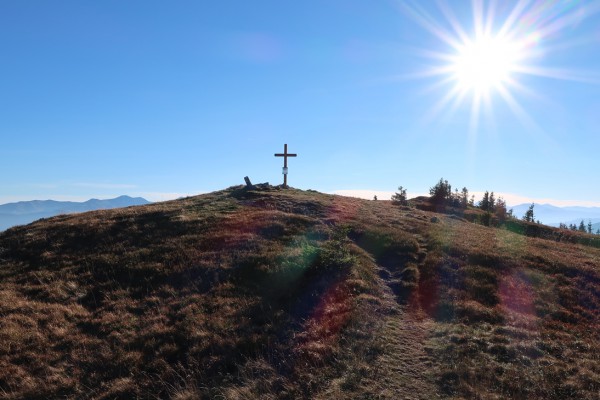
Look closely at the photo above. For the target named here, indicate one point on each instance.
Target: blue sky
(161, 99)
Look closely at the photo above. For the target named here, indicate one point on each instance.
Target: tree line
(580, 228)
(441, 194)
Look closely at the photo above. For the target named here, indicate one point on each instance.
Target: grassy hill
(294, 294)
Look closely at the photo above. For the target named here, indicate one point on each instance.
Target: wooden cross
(285, 155)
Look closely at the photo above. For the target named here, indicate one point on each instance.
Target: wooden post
(285, 155)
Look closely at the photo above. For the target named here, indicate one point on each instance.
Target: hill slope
(292, 294)
(24, 212)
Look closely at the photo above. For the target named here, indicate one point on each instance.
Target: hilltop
(273, 293)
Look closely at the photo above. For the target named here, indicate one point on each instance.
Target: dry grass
(294, 294)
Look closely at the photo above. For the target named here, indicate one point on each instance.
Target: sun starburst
(490, 57)
(485, 63)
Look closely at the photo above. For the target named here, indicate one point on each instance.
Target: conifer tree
(441, 193)
(589, 226)
(464, 199)
(455, 198)
(500, 210)
(581, 226)
(484, 204)
(400, 197)
(529, 214)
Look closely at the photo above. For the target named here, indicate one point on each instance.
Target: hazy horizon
(510, 198)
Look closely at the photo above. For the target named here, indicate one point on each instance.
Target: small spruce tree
(400, 197)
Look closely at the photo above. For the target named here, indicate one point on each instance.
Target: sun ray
(495, 57)
(564, 74)
(517, 86)
(534, 128)
(476, 8)
(489, 19)
(462, 35)
(452, 96)
(474, 122)
(512, 19)
(518, 110)
(429, 23)
(570, 44)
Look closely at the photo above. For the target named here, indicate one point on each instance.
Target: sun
(484, 64)
(494, 56)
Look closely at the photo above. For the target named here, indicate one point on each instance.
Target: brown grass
(294, 294)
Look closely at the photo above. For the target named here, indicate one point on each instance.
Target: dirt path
(404, 369)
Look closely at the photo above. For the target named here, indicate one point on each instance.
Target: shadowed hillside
(293, 294)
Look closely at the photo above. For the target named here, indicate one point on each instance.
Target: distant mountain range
(553, 215)
(24, 212)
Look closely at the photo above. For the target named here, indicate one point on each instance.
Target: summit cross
(285, 156)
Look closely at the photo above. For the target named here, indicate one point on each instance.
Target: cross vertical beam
(285, 155)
